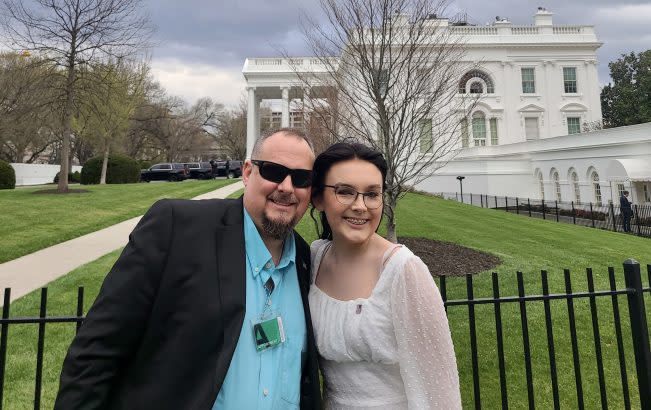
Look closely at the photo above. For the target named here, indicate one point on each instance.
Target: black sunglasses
(301, 178)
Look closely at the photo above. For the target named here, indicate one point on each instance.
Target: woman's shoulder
(317, 246)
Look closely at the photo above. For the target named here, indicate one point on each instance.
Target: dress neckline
(387, 258)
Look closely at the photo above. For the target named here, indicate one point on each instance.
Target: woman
(378, 316)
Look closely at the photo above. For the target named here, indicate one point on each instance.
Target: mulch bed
(450, 259)
(55, 191)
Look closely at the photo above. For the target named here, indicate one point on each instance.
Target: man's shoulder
(195, 209)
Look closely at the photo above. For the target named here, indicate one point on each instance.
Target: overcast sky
(202, 44)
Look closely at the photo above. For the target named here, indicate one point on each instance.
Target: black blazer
(163, 329)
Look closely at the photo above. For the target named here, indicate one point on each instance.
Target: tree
(627, 100)
(230, 135)
(73, 34)
(111, 94)
(393, 68)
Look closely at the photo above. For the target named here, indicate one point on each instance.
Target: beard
(279, 228)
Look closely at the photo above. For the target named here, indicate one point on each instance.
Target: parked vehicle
(169, 171)
(199, 170)
(229, 169)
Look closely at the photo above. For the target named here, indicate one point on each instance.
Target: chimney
(543, 17)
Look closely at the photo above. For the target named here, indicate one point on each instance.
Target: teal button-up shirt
(267, 380)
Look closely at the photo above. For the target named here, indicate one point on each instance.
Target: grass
(30, 222)
(524, 244)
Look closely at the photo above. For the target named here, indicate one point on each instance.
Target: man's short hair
(295, 132)
(625, 192)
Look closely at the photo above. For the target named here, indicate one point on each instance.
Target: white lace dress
(390, 351)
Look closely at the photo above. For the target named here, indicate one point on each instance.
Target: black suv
(234, 169)
(168, 171)
(200, 170)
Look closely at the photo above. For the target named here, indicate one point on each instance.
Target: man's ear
(246, 171)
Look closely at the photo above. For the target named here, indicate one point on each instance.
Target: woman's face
(352, 222)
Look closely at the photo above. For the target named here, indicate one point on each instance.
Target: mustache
(287, 198)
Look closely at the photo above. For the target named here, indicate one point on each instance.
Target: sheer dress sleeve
(425, 352)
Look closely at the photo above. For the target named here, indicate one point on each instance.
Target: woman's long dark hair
(341, 151)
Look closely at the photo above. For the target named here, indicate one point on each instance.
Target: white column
(307, 106)
(284, 121)
(252, 122)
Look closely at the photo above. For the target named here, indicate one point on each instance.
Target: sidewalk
(37, 269)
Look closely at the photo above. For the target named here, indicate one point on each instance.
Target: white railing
(522, 31)
(568, 30)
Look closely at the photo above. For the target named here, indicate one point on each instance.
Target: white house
(537, 87)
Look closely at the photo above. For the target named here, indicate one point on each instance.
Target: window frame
(479, 119)
(528, 82)
(578, 125)
(570, 86)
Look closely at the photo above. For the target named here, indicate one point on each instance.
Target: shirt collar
(257, 252)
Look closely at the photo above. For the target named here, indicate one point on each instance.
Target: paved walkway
(37, 269)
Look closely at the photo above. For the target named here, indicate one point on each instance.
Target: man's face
(277, 207)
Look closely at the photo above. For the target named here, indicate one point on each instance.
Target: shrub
(74, 177)
(7, 176)
(120, 170)
(144, 164)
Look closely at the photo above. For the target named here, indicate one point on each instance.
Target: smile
(356, 221)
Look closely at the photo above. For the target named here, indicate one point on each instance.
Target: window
(464, 133)
(476, 88)
(531, 128)
(569, 79)
(541, 186)
(493, 125)
(620, 189)
(479, 129)
(647, 196)
(597, 188)
(557, 185)
(573, 125)
(490, 89)
(528, 80)
(425, 136)
(575, 186)
(383, 81)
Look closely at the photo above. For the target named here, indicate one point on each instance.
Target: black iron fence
(603, 216)
(636, 325)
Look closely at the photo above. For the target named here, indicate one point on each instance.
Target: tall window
(597, 188)
(541, 186)
(569, 79)
(493, 125)
(620, 189)
(575, 186)
(528, 80)
(425, 136)
(557, 185)
(464, 133)
(383, 81)
(479, 129)
(531, 128)
(573, 125)
(647, 195)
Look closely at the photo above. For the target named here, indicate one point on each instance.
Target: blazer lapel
(231, 272)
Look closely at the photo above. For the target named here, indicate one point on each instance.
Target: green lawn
(29, 222)
(523, 243)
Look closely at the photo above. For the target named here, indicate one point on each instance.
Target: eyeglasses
(301, 178)
(347, 195)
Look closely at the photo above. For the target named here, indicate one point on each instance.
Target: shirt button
(265, 392)
(268, 265)
(257, 269)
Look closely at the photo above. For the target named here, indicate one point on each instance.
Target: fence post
(471, 198)
(529, 206)
(481, 200)
(506, 203)
(591, 215)
(543, 209)
(556, 205)
(3, 341)
(573, 214)
(639, 330)
(517, 206)
(612, 216)
(495, 201)
(637, 220)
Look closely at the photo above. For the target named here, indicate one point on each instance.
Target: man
(626, 211)
(207, 308)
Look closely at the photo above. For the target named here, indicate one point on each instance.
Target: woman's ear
(317, 202)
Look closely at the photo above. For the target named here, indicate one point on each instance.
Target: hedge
(7, 176)
(120, 170)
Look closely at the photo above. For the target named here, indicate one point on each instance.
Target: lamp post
(461, 178)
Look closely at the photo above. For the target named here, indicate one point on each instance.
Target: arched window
(476, 74)
(557, 185)
(479, 128)
(574, 178)
(541, 185)
(597, 188)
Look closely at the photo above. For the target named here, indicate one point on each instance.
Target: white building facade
(538, 88)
